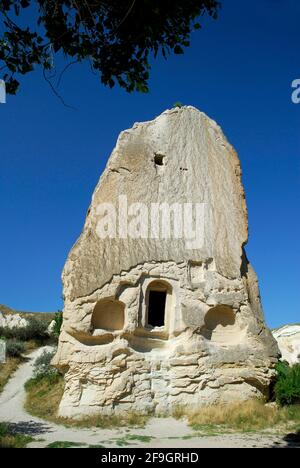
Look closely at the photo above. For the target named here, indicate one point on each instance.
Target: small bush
(44, 359)
(36, 329)
(287, 387)
(58, 319)
(65, 444)
(8, 439)
(42, 365)
(8, 333)
(177, 104)
(45, 388)
(3, 429)
(7, 369)
(14, 348)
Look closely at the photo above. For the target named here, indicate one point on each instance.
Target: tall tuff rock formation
(151, 319)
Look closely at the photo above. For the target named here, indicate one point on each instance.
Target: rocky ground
(158, 433)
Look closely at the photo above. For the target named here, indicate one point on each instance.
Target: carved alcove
(108, 314)
(221, 326)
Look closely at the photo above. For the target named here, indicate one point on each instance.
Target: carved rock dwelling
(154, 322)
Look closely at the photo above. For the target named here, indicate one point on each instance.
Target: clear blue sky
(238, 70)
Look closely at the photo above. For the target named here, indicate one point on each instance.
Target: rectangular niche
(196, 273)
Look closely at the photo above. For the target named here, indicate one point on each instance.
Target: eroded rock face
(12, 321)
(151, 323)
(288, 339)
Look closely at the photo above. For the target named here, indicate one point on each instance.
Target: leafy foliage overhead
(116, 36)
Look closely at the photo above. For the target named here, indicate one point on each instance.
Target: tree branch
(125, 17)
(64, 70)
(56, 93)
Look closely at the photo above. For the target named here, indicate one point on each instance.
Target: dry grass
(44, 395)
(12, 363)
(31, 346)
(106, 422)
(7, 369)
(43, 398)
(251, 415)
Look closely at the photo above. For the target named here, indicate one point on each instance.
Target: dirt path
(158, 433)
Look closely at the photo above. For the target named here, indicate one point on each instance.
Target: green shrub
(45, 383)
(36, 329)
(178, 104)
(8, 333)
(14, 348)
(42, 366)
(15, 333)
(9, 439)
(3, 429)
(287, 386)
(58, 319)
(44, 359)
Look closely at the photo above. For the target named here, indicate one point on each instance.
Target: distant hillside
(42, 315)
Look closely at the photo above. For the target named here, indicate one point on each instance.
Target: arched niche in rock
(108, 314)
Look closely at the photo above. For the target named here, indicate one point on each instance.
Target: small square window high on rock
(159, 160)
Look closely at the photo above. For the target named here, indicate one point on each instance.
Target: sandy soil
(164, 433)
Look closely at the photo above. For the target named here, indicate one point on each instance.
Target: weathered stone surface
(51, 328)
(288, 339)
(2, 351)
(213, 346)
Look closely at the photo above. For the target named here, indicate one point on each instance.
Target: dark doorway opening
(156, 308)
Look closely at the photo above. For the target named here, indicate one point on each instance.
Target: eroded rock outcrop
(154, 321)
(288, 339)
(12, 321)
